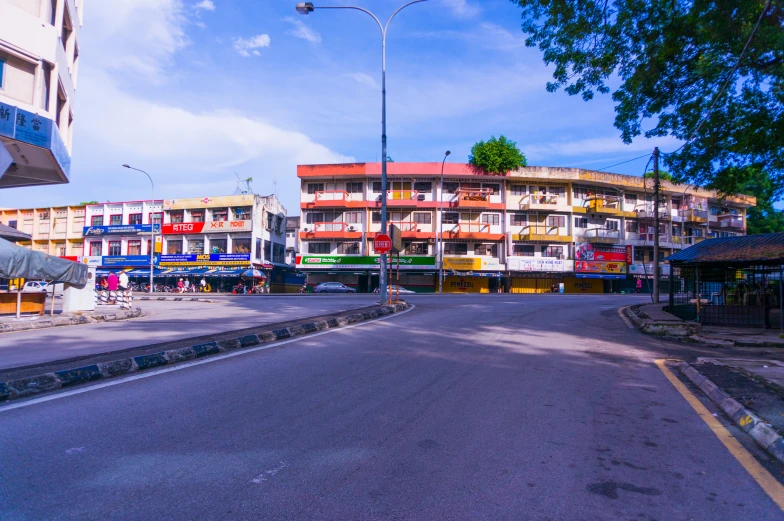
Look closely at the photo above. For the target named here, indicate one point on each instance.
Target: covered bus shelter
(730, 281)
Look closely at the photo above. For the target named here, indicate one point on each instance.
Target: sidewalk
(740, 336)
(10, 324)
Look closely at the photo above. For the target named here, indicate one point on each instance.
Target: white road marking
(264, 476)
(623, 317)
(186, 365)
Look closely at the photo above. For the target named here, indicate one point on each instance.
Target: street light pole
(152, 227)
(440, 235)
(308, 7)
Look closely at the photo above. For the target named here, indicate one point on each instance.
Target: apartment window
(197, 216)
(270, 221)
(353, 217)
(523, 250)
(354, 188)
(494, 187)
(240, 246)
(196, 246)
(96, 220)
(315, 187)
(556, 221)
(134, 247)
(220, 214)
(115, 248)
(376, 187)
(96, 249)
(451, 188)
(348, 248)
(423, 217)
(423, 187)
(553, 251)
(611, 225)
(714, 210)
(486, 249)
(491, 218)
(581, 193)
(78, 223)
(135, 218)
(318, 247)
(12, 224)
(639, 255)
(177, 217)
(115, 220)
(519, 189)
(155, 218)
(580, 222)
(630, 198)
(217, 245)
(558, 191)
(375, 217)
(43, 216)
(451, 218)
(416, 248)
(519, 219)
(259, 249)
(632, 226)
(242, 214)
(174, 247)
(455, 248)
(77, 249)
(314, 217)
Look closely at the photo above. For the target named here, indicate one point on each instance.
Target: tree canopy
(665, 62)
(663, 176)
(497, 156)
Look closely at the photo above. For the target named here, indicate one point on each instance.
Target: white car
(35, 286)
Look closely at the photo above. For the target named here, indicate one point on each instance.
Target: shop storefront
(362, 272)
(473, 275)
(608, 265)
(537, 274)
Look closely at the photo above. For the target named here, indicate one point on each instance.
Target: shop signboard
(32, 128)
(125, 261)
(646, 270)
(600, 267)
(586, 252)
(205, 259)
(7, 120)
(209, 202)
(360, 262)
(124, 229)
(544, 264)
(207, 227)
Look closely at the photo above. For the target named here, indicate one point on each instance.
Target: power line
(727, 81)
(624, 162)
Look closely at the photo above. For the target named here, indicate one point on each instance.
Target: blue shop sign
(32, 128)
(192, 259)
(126, 229)
(125, 261)
(7, 120)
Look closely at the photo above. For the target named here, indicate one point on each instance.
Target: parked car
(394, 289)
(41, 286)
(333, 287)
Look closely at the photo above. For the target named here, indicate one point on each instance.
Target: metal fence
(727, 295)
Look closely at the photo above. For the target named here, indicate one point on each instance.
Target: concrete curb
(73, 320)
(720, 342)
(761, 432)
(178, 299)
(676, 328)
(23, 387)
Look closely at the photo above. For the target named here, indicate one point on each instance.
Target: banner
(206, 259)
(209, 202)
(407, 262)
(599, 267)
(124, 229)
(586, 251)
(547, 264)
(645, 269)
(207, 227)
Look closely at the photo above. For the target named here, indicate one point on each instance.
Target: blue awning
(225, 273)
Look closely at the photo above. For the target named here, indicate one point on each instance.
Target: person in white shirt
(123, 281)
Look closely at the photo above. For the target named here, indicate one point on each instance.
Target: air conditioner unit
(351, 228)
(305, 230)
(421, 197)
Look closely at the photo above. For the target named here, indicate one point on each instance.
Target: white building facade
(39, 64)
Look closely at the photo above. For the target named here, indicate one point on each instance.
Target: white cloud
(461, 8)
(251, 45)
(364, 79)
(601, 145)
(499, 38)
(302, 31)
(204, 5)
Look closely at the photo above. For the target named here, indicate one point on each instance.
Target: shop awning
(225, 273)
(19, 262)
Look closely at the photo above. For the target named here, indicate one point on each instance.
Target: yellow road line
(769, 484)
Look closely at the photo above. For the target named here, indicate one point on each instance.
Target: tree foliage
(497, 156)
(762, 218)
(663, 176)
(665, 61)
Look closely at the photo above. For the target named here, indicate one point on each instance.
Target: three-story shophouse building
(525, 231)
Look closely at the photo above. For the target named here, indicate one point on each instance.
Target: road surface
(468, 407)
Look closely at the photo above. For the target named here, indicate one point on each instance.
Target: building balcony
(547, 203)
(473, 197)
(730, 222)
(336, 198)
(694, 216)
(541, 233)
(650, 216)
(476, 231)
(603, 204)
(601, 236)
(331, 230)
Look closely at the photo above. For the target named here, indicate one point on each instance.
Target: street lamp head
(448, 152)
(127, 166)
(305, 7)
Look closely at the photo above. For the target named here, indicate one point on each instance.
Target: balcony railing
(473, 197)
(402, 195)
(331, 196)
(541, 202)
(541, 233)
(405, 226)
(602, 236)
(609, 204)
(331, 227)
(731, 222)
(694, 216)
(648, 237)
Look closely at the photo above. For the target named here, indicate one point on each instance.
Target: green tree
(665, 62)
(85, 203)
(762, 218)
(663, 176)
(497, 156)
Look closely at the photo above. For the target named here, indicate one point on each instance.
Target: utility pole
(656, 225)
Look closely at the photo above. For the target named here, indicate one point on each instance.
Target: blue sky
(196, 91)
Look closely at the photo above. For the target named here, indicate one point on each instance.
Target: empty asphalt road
(468, 407)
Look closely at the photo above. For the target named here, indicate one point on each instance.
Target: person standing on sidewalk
(111, 284)
(123, 281)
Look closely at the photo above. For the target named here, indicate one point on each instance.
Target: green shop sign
(355, 262)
